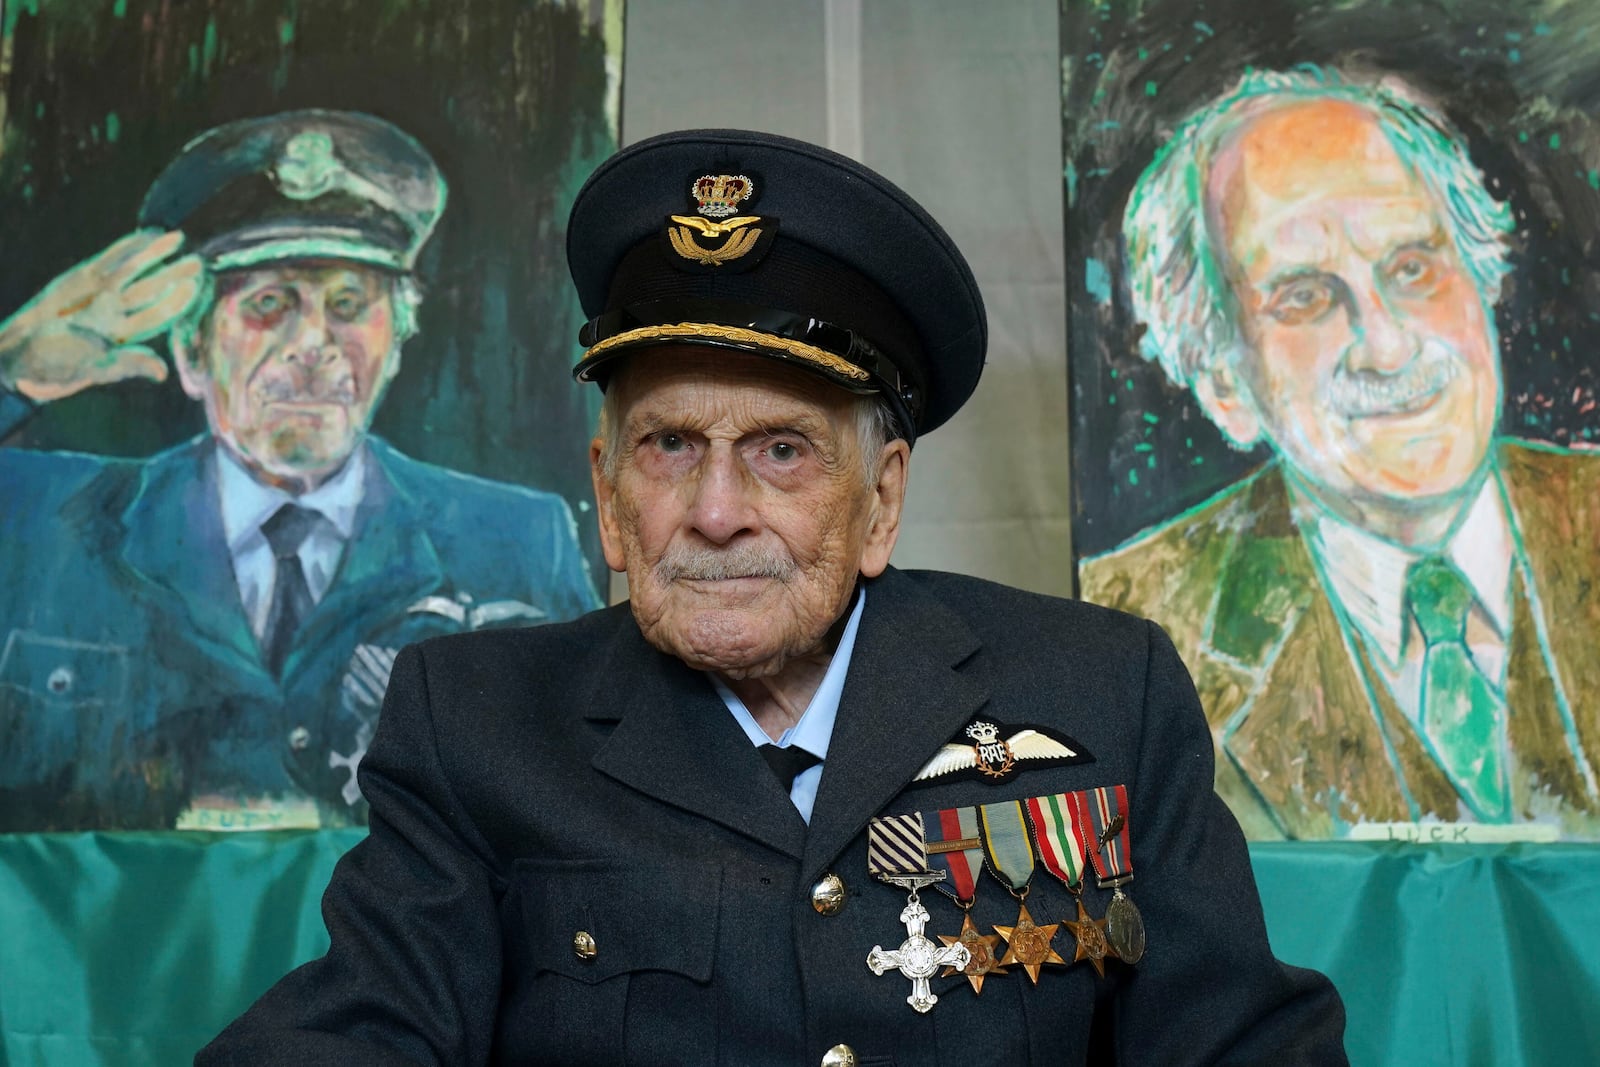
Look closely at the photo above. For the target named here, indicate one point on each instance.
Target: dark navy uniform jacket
(527, 785)
(130, 682)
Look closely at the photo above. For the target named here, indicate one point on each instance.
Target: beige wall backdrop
(957, 103)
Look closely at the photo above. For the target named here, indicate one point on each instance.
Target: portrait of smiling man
(203, 638)
(1388, 622)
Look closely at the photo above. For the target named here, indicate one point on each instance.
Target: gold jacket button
(839, 1055)
(583, 945)
(827, 896)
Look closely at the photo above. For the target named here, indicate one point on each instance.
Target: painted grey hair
(1179, 286)
(188, 329)
(874, 419)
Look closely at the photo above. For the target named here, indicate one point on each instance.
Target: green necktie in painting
(1462, 711)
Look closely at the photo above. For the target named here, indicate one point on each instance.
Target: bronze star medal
(1028, 943)
(1091, 937)
(980, 948)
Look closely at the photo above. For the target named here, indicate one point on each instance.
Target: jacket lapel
(903, 698)
(173, 543)
(1304, 735)
(675, 741)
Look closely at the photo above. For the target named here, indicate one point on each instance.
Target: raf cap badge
(997, 751)
(716, 237)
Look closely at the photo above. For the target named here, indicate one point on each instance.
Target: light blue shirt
(815, 727)
(246, 504)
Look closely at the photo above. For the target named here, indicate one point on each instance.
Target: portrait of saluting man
(203, 637)
(1390, 621)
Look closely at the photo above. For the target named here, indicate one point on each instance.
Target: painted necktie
(285, 532)
(1463, 713)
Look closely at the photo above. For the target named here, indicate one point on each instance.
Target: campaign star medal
(1107, 811)
(1061, 832)
(956, 849)
(981, 949)
(1091, 938)
(897, 854)
(1009, 854)
(716, 236)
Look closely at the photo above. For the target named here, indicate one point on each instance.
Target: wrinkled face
(292, 365)
(739, 508)
(1370, 361)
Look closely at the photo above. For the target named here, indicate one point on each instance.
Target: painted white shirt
(815, 728)
(1368, 576)
(246, 504)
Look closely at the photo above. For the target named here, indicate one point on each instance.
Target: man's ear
(191, 366)
(888, 499)
(1226, 400)
(605, 496)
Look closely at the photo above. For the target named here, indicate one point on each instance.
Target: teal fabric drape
(137, 948)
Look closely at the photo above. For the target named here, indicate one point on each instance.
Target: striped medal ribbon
(1060, 849)
(955, 847)
(1105, 817)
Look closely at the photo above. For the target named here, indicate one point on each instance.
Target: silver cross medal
(917, 958)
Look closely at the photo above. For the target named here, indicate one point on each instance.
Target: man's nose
(723, 501)
(312, 344)
(1385, 338)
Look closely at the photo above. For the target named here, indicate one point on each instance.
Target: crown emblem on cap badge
(719, 195)
(308, 167)
(716, 236)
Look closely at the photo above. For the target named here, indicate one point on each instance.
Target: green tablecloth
(136, 948)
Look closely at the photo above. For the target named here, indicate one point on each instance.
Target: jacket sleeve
(1208, 990)
(412, 974)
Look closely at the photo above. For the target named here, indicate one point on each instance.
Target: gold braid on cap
(741, 335)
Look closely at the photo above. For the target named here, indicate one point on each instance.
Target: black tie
(788, 763)
(285, 532)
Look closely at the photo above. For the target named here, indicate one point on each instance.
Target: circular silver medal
(1125, 928)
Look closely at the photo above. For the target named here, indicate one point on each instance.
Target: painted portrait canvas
(1333, 315)
(285, 350)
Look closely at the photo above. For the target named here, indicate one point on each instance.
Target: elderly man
(1391, 621)
(203, 638)
(702, 827)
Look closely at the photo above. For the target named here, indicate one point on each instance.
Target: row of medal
(947, 848)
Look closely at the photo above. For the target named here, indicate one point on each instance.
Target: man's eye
(1301, 301)
(269, 303)
(671, 442)
(347, 307)
(782, 451)
(1414, 273)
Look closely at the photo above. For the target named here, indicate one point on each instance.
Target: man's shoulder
(1528, 460)
(1224, 511)
(428, 481)
(992, 608)
(564, 642)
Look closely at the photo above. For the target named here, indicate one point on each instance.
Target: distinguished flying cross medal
(896, 854)
(716, 236)
(997, 753)
(1009, 854)
(955, 848)
(1107, 814)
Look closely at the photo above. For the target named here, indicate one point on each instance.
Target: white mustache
(1364, 393)
(720, 564)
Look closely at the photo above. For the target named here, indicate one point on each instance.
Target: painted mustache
(302, 385)
(1357, 394)
(721, 564)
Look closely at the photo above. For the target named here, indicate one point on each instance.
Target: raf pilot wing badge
(995, 752)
